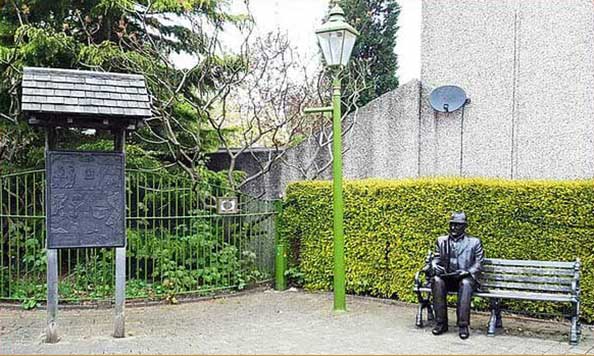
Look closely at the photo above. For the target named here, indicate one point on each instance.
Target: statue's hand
(437, 269)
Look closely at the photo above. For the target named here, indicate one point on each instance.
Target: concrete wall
(528, 67)
(382, 141)
(251, 162)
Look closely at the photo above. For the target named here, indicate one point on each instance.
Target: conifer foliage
(377, 22)
(128, 36)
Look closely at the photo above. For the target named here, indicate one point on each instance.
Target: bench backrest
(530, 276)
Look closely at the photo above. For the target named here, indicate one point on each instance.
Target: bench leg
(419, 318)
(495, 316)
(499, 322)
(423, 303)
(577, 315)
(579, 331)
(574, 331)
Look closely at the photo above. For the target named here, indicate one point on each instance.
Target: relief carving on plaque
(85, 199)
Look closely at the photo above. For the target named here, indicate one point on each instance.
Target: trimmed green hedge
(390, 225)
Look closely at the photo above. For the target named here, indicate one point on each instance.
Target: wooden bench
(549, 281)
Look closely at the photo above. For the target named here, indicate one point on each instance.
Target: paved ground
(275, 323)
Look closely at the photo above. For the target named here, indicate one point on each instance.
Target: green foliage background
(391, 225)
(127, 36)
(377, 23)
(163, 265)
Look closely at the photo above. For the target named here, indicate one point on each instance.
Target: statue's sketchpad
(86, 199)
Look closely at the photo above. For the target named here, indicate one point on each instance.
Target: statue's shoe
(440, 329)
(463, 332)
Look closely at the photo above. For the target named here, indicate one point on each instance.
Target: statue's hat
(459, 218)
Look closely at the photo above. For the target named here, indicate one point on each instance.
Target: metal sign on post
(85, 205)
(86, 199)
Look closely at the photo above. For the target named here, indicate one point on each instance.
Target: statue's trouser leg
(465, 289)
(440, 291)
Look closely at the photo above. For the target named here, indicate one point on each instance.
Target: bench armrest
(575, 284)
(426, 270)
(418, 279)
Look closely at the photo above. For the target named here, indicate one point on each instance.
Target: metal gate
(177, 243)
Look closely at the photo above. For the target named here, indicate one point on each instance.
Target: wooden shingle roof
(84, 93)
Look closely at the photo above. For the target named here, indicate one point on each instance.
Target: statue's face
(457, 229)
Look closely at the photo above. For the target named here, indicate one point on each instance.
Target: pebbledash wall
(528, 68)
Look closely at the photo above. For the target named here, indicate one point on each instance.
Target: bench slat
(524, 278)
(545, 297)
(529, 263)
(506, 294)
(528, 270)
(487, 285)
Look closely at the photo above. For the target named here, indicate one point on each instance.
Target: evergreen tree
(129, 36)
(377, 22)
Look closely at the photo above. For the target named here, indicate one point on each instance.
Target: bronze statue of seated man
(456, 266)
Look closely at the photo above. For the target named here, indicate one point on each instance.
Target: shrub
(390, 225)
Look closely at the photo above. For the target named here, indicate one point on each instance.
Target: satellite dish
(448, 98)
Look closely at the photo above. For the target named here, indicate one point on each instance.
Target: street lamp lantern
(337, 38)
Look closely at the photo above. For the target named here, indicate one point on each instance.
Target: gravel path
(269, 322)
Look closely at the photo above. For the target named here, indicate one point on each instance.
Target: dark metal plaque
(85, 199)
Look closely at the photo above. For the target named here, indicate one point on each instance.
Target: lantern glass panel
(347, 47)
(332, 44)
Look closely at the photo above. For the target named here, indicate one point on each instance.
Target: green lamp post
(336, 38)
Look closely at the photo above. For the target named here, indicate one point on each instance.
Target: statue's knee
(467, 283)
(437, 280)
